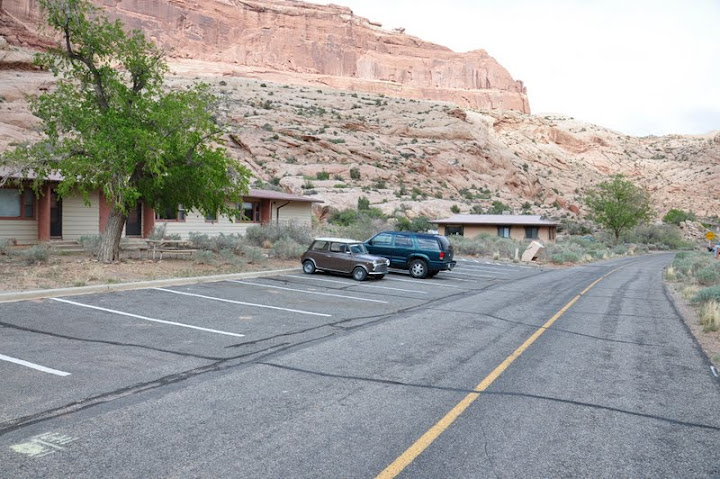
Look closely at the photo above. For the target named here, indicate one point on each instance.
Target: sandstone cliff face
(347, 51)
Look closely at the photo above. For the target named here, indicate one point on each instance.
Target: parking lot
(60, 354)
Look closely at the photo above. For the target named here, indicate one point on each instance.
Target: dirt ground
(709, 341)
(68, 270)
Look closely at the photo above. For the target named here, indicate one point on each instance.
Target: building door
(133, 227)
(55, 216)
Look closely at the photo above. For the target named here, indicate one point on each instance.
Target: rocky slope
(312, 43)
(426, 156)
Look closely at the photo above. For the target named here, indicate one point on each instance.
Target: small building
(518, 227)
(27, 218)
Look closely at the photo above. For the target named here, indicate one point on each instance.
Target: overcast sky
(638, 66)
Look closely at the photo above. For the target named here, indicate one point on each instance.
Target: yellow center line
(411, 453)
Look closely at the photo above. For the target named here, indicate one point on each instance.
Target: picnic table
(169, 246)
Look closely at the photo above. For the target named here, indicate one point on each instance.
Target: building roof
(493, 220)
(280, 196)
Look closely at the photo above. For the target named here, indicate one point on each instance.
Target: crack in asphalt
(551, 328)
(573, 402)
(111, 343)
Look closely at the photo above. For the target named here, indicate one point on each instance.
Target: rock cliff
(312, 43)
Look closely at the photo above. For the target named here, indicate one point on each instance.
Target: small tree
(675, 217)
(618, 205)
(111, 125)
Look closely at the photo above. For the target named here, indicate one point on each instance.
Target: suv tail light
(442, 255)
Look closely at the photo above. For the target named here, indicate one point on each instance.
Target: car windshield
(358, 248)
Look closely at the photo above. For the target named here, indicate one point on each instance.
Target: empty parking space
(59, 351)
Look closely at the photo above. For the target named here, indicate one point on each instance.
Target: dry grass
(688, 291)
(63, 271)
(710, 316)
(670, 274)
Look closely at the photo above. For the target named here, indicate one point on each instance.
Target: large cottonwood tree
(111, 124)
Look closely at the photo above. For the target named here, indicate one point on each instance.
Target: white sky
(638, 66)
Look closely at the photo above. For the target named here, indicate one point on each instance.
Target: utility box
(533, 251)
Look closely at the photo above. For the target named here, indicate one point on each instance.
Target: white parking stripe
(353, 284)
(261, 285)
(453, 274)
(487, 270)
(33, 365)
(421, 281)
(243, 303)
(161, 321)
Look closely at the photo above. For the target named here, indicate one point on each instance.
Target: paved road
(487, 371)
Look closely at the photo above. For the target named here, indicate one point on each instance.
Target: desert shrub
(253, 254)
(421, 224)
(286, 248)
(687, 264)
(200, 241)
(271, 233)
(675, 217)
(708, 275)
(228, 242)
(363, 203)
(322, 175)
(565, 257)
(204, 257)
(659, 237)
(36, 254)
(570, 227)
(5, 247)
(90, 243)
(711, 293)
(486, 245)
(620, 250)
(354, 173)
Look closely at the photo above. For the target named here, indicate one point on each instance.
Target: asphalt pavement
(492, 370)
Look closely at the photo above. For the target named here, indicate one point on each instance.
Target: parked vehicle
(423, 254)
(340, 255)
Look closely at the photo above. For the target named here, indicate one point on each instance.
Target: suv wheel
(418, 269)
(359, 274)
(308, 267)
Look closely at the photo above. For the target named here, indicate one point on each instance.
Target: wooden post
(43, 214)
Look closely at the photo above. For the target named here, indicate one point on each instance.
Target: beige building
(517, 227)
(27, 218)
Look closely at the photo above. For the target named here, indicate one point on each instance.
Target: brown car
(340, 255)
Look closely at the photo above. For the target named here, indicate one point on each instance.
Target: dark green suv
(423, 254)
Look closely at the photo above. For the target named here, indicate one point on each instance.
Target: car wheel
(418, 269)
(359, 274)
(308, 267)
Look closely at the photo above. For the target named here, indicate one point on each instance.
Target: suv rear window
(428, 244)
(444, 242)
(402, 241)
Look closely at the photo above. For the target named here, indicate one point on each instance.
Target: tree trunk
(109, 250)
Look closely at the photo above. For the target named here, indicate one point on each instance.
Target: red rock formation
(306, 39)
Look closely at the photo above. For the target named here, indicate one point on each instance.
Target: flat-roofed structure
(518, 227)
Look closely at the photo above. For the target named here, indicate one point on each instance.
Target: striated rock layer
(308, 41)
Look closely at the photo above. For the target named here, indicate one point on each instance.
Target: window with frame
(454, 231)
(531, 232)
(503, 231)
(383, 239)
(402, 241)
(17, 204)
(320, 246)
(171, 213)
(249, 211)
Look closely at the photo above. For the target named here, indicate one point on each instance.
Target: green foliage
(363, 204)
(485, 245)
(565, 257)
(711, 293)
(111, 125)
(675, 217)
(455, 209)
(253, 254)
(322, 175)
(708, 275)
(421, 224)
(658, 237)
(618, 205)
(497, 208)
(354, 173)
(344, 217)
(204, 257)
